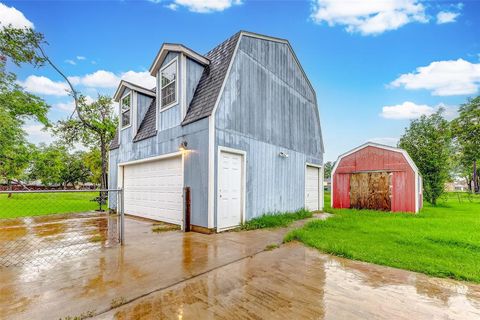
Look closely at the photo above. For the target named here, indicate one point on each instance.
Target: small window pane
(126, 118)
(168, 94)
(169, 74)
(168, 84)
(126, 103)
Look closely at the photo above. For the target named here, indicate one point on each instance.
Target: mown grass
(276, 220)
(442, 241)
(37, 204)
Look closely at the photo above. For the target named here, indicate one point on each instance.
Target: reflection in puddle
(37, 242)
(295, 282)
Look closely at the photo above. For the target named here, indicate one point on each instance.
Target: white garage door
(312, 188)
(154, 190)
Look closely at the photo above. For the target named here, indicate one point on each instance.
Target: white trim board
(125, 84)
(170, 47)
(163, 156)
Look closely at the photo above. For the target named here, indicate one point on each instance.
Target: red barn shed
(379, 177)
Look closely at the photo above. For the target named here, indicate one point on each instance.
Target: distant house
(458, 184)
(239, 126)
(379, 177)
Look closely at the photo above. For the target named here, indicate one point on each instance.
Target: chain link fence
(39, 227)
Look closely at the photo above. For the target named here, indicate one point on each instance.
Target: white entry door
(312, 188)
(230, 195)
(154, 190)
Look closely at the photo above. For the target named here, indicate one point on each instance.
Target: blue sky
(374, 65)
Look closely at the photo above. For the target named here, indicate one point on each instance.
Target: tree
(93, 162)
(328, 167)
(428, 142)
(16, 105)
(466, 131)
(54, 165)
(99, 131)
(47, 164)
(26, 45)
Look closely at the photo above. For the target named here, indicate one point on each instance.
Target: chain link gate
(44, 226)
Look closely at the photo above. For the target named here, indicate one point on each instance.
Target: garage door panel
(154, 190)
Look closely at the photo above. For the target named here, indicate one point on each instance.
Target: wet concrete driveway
(175, 275)
(40, 241)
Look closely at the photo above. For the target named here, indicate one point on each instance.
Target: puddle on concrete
(295, 282)
(36, 242)
(291, 282)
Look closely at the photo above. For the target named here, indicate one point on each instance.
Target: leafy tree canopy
(466, 130)
(428, 141)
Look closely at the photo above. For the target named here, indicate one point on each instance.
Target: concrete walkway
(94, 282)
(224, 276)
(296, 282)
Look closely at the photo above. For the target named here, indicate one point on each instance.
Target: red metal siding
(341, 182)
(376, 159)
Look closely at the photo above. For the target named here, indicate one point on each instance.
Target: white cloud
(142, 78)
(443, 78)
(81, 58)
(389, 141)
(100, 79)
(37, 133)
(370, 17)
(446, 17)
(65, 106)
(70, 105)
(172, 6)
(202, 6)
(44, 86)
(108, 79)
(406, 110)
(70, 62)
(11, 16)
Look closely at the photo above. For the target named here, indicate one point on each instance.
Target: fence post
(186, 193)
(122, 218)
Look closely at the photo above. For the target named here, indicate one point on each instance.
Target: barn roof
(216, 65)
(380, 146)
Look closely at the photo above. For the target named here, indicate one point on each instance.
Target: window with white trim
(168, 84)
(125, 105)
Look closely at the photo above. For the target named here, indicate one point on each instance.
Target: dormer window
(125, 105)
(168, 84)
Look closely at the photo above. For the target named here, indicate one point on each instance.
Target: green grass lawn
(276, 220)
(36, 204)
(442, 241)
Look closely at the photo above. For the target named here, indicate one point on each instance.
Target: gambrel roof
(216, 64)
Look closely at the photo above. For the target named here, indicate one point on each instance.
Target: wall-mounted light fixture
(183, 145)
(283, 155)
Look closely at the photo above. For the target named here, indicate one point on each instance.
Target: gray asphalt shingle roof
(114, 143)
(211, 81)
(148, 126)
